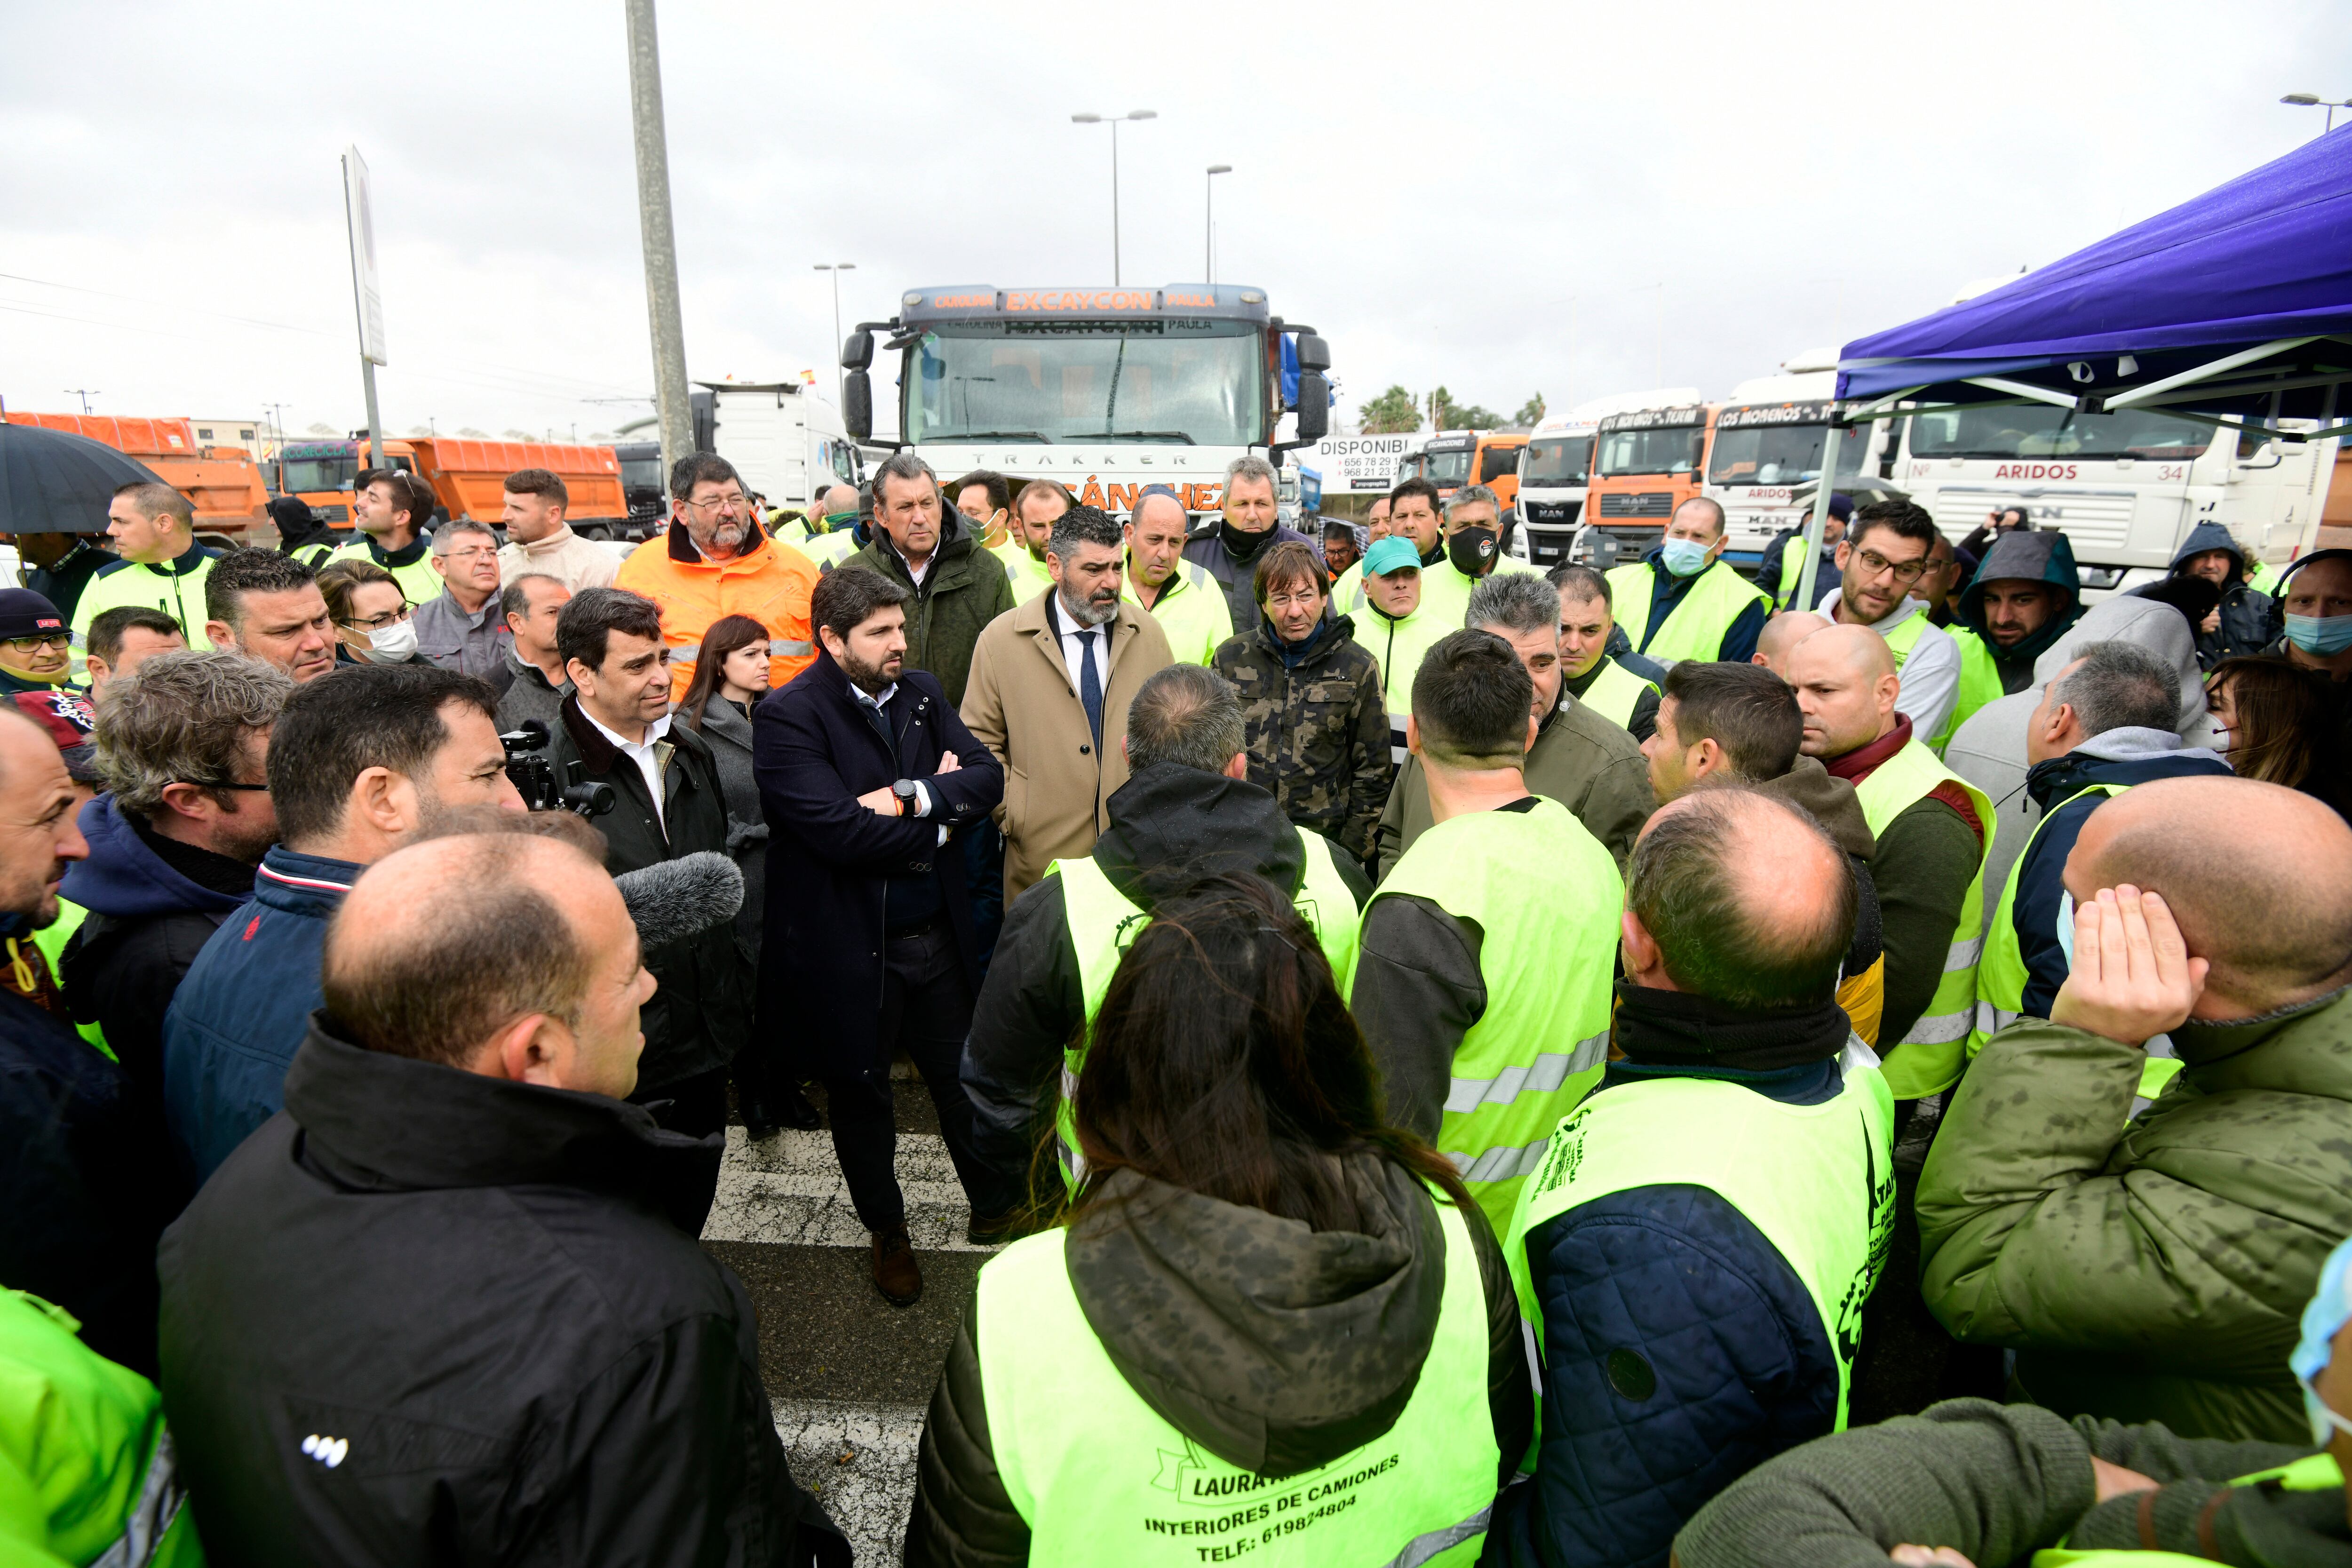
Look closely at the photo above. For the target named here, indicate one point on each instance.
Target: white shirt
(641, 753)
(1074, 646)
(1930, 675)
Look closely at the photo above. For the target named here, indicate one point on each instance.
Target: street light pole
(1112, 120)
(660, 241)
(85, 394)
(840, 390)
(1209, 241)
(2311, 101)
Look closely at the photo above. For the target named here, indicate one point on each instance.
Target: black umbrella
(52, 481)
(1863, 488)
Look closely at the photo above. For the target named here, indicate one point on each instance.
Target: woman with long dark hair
(1267, 1315)
(2279, 724)
(730, 676)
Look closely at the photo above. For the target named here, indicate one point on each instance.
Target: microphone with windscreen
(677, 898)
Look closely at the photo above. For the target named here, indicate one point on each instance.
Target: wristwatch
(907, 803)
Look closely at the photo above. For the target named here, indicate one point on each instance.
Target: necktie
(1090, 684)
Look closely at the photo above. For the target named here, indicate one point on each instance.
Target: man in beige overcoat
(1051, 681)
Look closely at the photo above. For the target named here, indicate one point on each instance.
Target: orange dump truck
(468, 477)
(223, 483)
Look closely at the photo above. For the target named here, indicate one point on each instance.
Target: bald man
(829, 531)
(448, 1276)
(1732, 1170)
(1782, 633)
(1184, 599)
(1932, 827)
(2153, 1269)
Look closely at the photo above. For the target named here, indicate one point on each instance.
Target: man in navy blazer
(867, 775)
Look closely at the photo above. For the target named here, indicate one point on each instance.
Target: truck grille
(2096, 520)
(1645, 504)
(1552, 513)
(330, 513)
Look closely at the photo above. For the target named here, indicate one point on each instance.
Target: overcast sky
(1575, 199)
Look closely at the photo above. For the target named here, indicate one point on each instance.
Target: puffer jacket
(964, 589)
(2039, 557)
(2249, 618)
(1233, 1320)
(1316, 730)
(2151, 1268)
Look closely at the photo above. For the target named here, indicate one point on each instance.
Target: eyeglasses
(719, 506)
(377, 623)
(51, 639)
(1874, 565)
(479, 552)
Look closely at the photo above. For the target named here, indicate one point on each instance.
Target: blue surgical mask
(1687, 557)
(2324, 637)
(2066, 929)
(2322, 1320)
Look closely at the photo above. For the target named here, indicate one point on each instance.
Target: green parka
(965, 589)
(2153, 1271)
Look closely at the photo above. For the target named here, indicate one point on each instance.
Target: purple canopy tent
(2233, 308)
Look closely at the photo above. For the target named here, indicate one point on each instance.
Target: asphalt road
(848, 1374)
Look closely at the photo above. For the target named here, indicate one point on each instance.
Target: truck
(221, 481)
(468, 477)
(2125, 488)
(1555, 467)
(786, 442)
(1490, 458)
(1645, 463)
(1105, 390)
(1767, 445)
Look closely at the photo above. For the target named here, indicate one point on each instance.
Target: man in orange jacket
(715, 561)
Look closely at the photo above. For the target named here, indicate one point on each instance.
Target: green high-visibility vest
(1099, 1477)
(1980, 681)
(419, 583)
(829, 549)
(1102, 921)
(1544, 895)
(2314, 1473)
(176, 588)
(1792, 563)
(313, 555)
(1027, 573)
(1817, 1180)
(1931, 1056)
(1192, 610)
(1694, 627)
(51, 940)
(2000, 980)
(86, 1473)
(1399, 646)
(1614, 694)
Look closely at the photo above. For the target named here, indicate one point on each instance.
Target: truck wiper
(999, 436)
(1143, 436)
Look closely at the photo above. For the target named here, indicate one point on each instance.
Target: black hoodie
(1171, 827)
(2038, 556)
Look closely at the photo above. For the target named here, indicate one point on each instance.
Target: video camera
(532, 773)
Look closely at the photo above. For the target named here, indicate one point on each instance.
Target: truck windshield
(1778, 454)
(1170, 380)
(1558, 460)
(1672, 450)
(334, 473)
(641, 473)
(2042, 431)
(1449, 467)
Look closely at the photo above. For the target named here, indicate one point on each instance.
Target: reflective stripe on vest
(2000, 981)
(2315, 1473)
(1816, 1180)
(1614, 694)
(1101, 921)
(1694, 627)
(1547, 954)
(1932, 1056)
(1099, 1477)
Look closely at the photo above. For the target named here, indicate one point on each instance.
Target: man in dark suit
(867, 774)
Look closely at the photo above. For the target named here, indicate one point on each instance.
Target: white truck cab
(787, 442)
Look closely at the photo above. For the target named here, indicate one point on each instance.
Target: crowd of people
(1462, 1064)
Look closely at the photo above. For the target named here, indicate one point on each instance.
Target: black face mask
(1472, 550)
(1243, 546)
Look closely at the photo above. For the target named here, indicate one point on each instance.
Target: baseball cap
(67, 716)
(1391, 554)
(24, 614)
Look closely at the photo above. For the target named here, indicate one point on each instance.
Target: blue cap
(1391, 554)
(1840, 506)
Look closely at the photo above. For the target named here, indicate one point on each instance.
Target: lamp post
(837, 268)
(1209, 241)
(2311, 101)
(1112, 120)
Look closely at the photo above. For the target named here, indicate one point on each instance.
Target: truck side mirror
(857, 350)
(857, 400)
(1314, 405)
(1314, 353)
